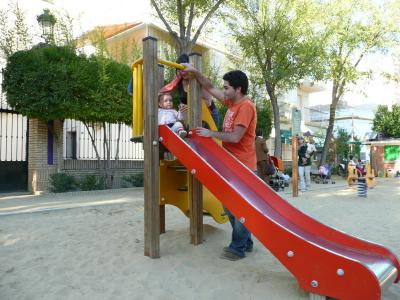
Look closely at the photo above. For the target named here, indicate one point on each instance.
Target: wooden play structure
(167, 182)
(369, 176)
(353, 176)
(324, 261)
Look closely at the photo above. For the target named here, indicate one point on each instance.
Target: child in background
(311, 149)
(167, 115)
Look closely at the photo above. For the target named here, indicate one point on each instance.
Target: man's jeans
(241, 237)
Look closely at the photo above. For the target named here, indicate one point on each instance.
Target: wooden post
(160, 84)
(295, 171)
(151, 148)
(196, 191)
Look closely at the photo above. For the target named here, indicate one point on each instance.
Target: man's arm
(230, 137)
(205, 95)
(204, 82)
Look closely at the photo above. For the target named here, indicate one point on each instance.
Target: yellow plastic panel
(133, 102)
(206, 117)
(140, 100)
(369, 176)
(174, 190)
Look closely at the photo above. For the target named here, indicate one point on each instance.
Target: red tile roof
(111, 30)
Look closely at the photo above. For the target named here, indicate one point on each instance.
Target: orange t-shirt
(242, 114)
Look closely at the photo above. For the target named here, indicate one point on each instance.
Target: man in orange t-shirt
(238, 138)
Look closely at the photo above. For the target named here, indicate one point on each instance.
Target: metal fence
(13, 132)
(13, 148)
(78, 143)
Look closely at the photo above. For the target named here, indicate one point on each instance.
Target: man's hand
(189, 72)
(204, 81)
(203, 132)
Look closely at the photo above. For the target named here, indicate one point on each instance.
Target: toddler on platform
(167, 115)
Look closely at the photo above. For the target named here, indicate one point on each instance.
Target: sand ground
(89, 245)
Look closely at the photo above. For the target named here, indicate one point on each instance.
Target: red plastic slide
(324, 261)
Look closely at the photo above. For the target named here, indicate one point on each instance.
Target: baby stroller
(324, 173)
(278, 180)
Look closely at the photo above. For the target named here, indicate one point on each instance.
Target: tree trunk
(329, 131)
(93, 140)
(111, 172)
(118, 140)
(184, 47)
(183, 41)
(277, 124)
(107, 162)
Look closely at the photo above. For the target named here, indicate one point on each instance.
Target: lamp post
(47, 20)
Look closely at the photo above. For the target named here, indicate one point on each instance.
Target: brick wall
(82, 168)
(378, 162)
(38, 168)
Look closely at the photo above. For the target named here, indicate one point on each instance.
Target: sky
(88, 14)
(367, 93)
(365, 96)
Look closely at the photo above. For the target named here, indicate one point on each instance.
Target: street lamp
(47, 20)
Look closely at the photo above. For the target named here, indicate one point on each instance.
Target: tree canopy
(387, 122)
(185, 20)
(280, 46)
(14, 32)
(54, 82)
(354, 28)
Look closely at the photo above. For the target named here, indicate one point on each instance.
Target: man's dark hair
(237, 79)
(183, 58)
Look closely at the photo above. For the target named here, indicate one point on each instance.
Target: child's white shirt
(311, 148)
(167, 116)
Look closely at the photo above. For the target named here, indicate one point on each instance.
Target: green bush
(133, 180)
(51, 83)
(90, 183)
(61, 182)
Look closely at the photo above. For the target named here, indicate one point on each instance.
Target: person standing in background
(304, 164)
(262, 156)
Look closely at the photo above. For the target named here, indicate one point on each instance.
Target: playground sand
(97, 252)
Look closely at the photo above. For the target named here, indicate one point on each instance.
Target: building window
(70, 145)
